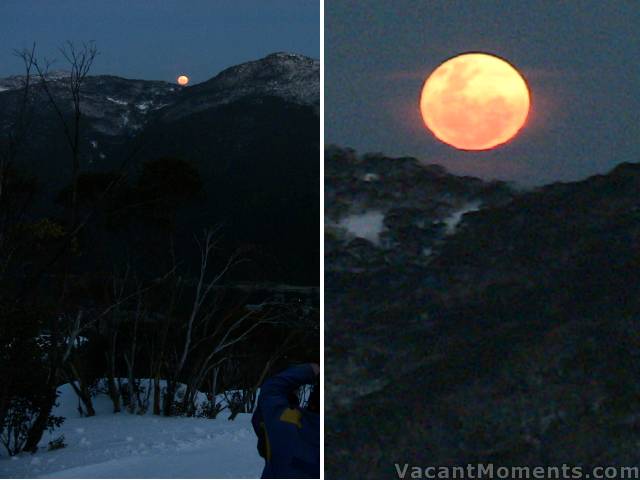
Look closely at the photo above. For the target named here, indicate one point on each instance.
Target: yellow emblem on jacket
(292, 415)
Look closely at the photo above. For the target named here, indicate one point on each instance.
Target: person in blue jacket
(288, 435)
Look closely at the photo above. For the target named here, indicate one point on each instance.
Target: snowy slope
(131, 446)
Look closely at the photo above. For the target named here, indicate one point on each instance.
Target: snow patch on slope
(119, 102)
(144, 106)
(453, 220)
(368, 225)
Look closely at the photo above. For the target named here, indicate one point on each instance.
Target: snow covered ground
(132, 446)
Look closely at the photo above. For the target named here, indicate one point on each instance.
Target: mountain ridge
(247, 141)
(296, 75)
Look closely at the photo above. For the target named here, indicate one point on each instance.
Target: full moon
(475, 101)
(183, 80)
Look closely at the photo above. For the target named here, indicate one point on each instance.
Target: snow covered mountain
(294, 78)
(252, 132)
(515, 330)
(117, 106)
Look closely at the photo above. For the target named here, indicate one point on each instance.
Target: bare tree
(13, 207)
(117, 290)
(17, 130)
(207, 327)
(79, 61)
(130, 359)
(64, 336)
(159, 347)
(62, 328)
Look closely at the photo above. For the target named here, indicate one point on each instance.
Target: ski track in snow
(133, 446)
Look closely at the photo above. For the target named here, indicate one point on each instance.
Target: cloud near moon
(475, 101)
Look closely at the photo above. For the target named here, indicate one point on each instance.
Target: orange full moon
(475, 101)
(183, 80)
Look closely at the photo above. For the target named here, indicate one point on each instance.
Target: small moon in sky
(475, 101)
(183, 80)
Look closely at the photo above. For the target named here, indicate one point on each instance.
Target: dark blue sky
(159, 39)
(581, 59)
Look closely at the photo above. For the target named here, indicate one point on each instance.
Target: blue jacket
(288, 437)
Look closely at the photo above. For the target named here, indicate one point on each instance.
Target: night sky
(581, 60)
(160, 39)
